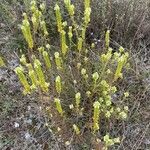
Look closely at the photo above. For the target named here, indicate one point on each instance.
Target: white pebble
(27, 136)
(16, 125)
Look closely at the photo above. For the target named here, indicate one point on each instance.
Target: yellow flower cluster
(58, 84)
(58, 18)
(19, 71)
(58, 106)
(64, 46)
(96, 106)
(79, 81)
(69, 7)
(25, 27)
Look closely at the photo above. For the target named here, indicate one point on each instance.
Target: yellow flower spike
(33, 7)
(71, 10)
(33, 57)
(108, 71)
(64, 46)
(80, 42)
(113, 89)
(126, 108)
(107, 39)
(41, 49)
(25, 16)
(95, 76)
(70, 34)
(109, 53)
(37, 65)
(127, 66)
(108, 141)
(105, 93)
(119, 67)
(78, 99)
(1, 62)
(69, 7)
(126, 55)
(86, 3)
(67, 4)
(36, 17)
(48, 46)
(27, 32)
(87, 14)
(29, 66)
(34, 22)
(47, 59)
(58, 106)
(108, 101)
(83, 33)
(42, 7)
(116, 140)
(86, 59)
(58, 60)
(88, 93)
(76, 129)
(33, 3)
(78, 66)
(107, 114)
(121, 49)
(101, 100)
(111, 110)
(83, 71)
(23, 29)
(126, 94)
(96, 106)
(118, 110)
(39, 14)
(117, 56)
(43, 26)
(58, 84)
(93, 45)
(23, 60)
(64, 24)
(123, 115)
(23, 80)
(104, 58)
(58, 17)
(33, 78)
(104, 84)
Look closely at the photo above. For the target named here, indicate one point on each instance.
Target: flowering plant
(80, 87)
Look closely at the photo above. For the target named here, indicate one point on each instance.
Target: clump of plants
(78, 81)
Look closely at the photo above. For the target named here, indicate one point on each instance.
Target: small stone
(29, 121)
(16, 125)
(27, 136)
(29, 107)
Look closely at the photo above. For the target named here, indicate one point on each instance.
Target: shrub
(79, 80)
